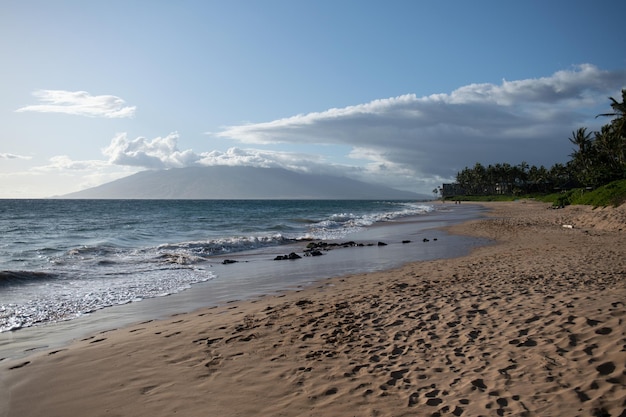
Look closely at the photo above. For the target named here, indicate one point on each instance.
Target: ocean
(65, 259)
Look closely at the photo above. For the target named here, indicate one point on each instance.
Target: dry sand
(531, 326)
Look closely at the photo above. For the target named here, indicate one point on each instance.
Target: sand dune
(530, 326)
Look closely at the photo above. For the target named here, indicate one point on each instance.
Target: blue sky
(404, 93)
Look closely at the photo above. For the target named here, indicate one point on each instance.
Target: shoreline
(256, 273)
(533, 325)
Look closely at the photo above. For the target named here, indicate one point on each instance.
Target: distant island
(227, 182)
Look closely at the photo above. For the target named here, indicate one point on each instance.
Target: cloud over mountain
(158, 153)
(437, 135)
(405, 142)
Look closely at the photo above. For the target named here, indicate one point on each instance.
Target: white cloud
(158, 153)
(65, 163)
(438, 135)
(262, 158)
(79, 103)
(13, 156)
(572, 87)
(163, 153)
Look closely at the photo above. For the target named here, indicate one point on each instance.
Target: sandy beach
(532, 325)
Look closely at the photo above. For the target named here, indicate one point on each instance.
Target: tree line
(598, 158)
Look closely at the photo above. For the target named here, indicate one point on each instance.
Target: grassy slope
(612, 194)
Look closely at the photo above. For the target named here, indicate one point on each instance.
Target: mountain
(224, 182)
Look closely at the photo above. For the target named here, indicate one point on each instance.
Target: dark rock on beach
(291, 256)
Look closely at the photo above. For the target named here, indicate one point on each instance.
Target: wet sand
(532, 325)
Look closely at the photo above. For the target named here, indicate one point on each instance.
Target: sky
(400, 93)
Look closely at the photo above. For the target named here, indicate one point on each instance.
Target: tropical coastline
(113, 263)
(532, 325)
(63, 259)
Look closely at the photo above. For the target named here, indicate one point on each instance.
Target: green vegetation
(595, 175)
(611, 194)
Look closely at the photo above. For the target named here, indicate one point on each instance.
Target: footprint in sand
(433, 402)
(604, 331)
(457, 411)
(21, 365)
(432, 394)
(413, 399)
(582, 396)
(589, 349)
(214, 362)
(208, 341)
(527, 343)
(606, 368)
(146, 390)
(480, 384)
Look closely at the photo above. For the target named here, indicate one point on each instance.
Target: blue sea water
(61, 259)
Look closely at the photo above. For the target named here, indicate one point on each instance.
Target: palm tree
(538, 179)
(619, 111)
(610, 148)
(582, 139)
(612, 139)
(479, 176)
(508, 177)
(583, 157)
(560, 175)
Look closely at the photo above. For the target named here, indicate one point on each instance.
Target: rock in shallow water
(292, 255)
